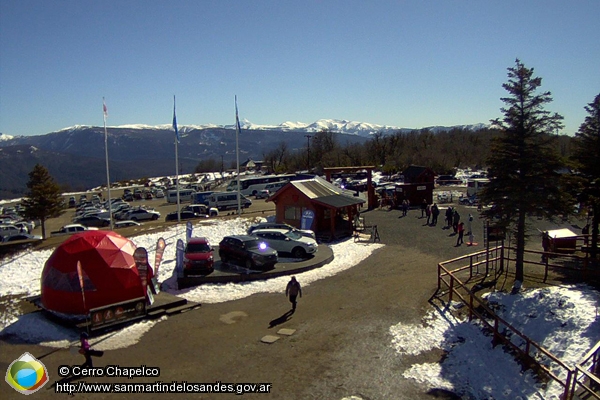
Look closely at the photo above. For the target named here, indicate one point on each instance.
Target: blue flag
(188, 231)
(175, 122)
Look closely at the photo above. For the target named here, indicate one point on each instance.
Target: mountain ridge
(75, 156)
(339, 126)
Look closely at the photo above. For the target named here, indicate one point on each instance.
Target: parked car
(125, 223)
(201, 209)
(159, 194)
(9, 230)
(141, 214)
(184, 215)
(70, 229)
(247, 251)
(148, 196)
(93, 220)
(72, 202)
(20, 236)
(198, 257)
(276, 225)
(128, 197)
(262, 194)
(24, 226)
(287, 241)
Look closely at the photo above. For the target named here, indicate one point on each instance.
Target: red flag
(104, 109)
(80, 274)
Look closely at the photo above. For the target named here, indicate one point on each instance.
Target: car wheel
(298, 252)
(223, 259)
(134, 219)
(154, 217)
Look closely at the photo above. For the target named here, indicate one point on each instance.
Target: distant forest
(443, 152)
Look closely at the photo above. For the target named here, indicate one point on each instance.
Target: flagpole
(105, 111)
(237, 155)
(176, 160)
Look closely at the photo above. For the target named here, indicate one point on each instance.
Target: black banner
(117, 313)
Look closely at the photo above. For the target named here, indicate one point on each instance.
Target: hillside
(75, 157)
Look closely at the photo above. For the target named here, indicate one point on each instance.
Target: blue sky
(400, 63)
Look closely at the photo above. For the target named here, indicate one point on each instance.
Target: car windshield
(197, 248)
(293, 235)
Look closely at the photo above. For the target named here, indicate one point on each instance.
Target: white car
(262, 194)
(276, 225)
(72, 228)
(9, 230)
(141, 214)
(126, 223)
(286, 241)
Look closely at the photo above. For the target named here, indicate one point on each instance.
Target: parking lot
(259, 207)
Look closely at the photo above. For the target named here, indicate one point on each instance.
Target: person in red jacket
(460, 229)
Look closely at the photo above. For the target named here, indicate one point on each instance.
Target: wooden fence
(581, 378)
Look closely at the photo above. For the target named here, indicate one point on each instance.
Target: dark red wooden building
(333, 209)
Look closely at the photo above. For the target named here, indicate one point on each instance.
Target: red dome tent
(108, 268)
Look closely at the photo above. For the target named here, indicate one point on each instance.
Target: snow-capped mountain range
(340, 126)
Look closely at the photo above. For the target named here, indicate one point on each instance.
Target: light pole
(307, 152)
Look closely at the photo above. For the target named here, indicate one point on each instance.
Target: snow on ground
(564, 320)
(21, 277)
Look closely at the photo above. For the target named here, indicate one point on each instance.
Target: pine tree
(587, 154)
(43, 199)
(524, 164)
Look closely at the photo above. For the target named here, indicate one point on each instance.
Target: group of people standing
(432, 211)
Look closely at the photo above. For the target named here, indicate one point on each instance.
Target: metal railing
(496, 261)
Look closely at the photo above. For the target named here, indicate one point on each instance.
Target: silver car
(287, 241)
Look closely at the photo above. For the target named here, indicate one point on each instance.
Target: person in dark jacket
(292, 290)
(435, 211)
(87, 351)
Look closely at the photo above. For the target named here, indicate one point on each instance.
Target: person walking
(461, 230)
(423, 208)
(86, 350)
(455, 220)
(470, 225)
(435, 211)
(404, 207)
(428, 212)
(449, 213)
(292, 290)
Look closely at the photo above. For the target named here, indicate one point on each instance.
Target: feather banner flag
(104, 109)
(175, 122)
(81, 283)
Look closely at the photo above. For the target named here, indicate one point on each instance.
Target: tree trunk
(520, 256)
(595, 223)
(43, 222)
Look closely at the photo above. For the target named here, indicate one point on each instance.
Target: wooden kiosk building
(418, 185)
(334, 211)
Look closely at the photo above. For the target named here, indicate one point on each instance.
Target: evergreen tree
(524, 164)
(44, 199)
(587, 154)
